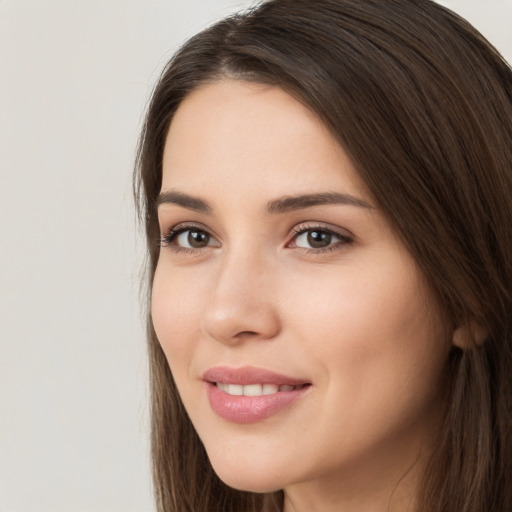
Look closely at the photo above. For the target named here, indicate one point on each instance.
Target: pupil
(198, 239)
(319, 239)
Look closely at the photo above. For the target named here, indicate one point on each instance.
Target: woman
(329, 182)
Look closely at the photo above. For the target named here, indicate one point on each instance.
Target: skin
(357, 321)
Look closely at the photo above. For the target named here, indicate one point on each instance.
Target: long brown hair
(423, 105)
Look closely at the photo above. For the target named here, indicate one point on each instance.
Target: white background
(74, 79)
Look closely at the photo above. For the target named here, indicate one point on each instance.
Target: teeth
(254, 389)
(270, 389)
(235, 389)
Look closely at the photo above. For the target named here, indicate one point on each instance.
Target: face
(305, 344)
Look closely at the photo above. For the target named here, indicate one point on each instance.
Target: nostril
(247, 334)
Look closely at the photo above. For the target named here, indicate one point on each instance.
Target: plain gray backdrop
(74, 79)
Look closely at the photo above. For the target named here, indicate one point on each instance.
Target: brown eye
(198, 239)
(316, 239)
(319, 239)
(193, 239)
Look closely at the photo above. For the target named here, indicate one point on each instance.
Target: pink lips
(250, 409)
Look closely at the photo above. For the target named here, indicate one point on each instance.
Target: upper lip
(249, 375)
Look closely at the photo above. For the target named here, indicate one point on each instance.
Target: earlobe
(469, 335)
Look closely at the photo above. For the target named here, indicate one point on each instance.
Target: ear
(469, 335)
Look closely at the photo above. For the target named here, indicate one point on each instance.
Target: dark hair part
(422, 103)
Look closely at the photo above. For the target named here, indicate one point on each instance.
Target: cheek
(370, 325)
(379, 352)
(175, 308)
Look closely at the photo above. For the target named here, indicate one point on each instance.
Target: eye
(185, 237)
(193, 239)
(315, 239)
(318, 239)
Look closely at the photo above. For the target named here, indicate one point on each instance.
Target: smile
(255, 389)
(249, 394)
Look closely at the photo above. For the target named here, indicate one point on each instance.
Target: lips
(254, 389)
(249, 375)
(248, 394)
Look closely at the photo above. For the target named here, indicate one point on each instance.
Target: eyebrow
(289, 203)
(189, 202)
(280, 205)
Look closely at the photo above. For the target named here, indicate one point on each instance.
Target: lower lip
(250, 409)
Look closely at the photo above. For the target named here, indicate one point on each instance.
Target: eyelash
(168, 239)
(305, 228)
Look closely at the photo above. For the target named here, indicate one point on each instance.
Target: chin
(245, 477)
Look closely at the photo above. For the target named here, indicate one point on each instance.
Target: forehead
(244, 135)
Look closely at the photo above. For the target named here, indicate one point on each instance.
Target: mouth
(249, 395)
(251, 381)
(256, 389)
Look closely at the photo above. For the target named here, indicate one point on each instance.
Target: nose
(242, 304)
